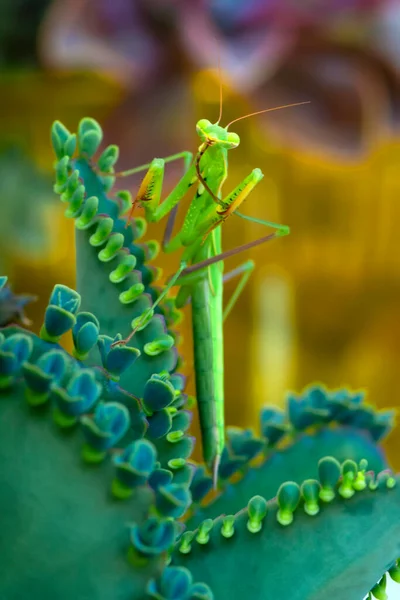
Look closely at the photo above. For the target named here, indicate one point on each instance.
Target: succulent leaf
(360, 535)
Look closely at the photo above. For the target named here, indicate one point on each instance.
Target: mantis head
(213, 135)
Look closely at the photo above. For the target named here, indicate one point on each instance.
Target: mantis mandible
(200, 275)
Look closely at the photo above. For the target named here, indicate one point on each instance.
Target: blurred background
(323, 303)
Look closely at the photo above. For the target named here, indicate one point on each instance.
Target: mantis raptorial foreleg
(149, 192)
(202, 219)
(187, 161)
(185, 154)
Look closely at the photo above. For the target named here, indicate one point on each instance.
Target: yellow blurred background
(324, 303)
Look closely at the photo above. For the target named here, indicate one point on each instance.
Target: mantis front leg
(151, 187)
(149, 193)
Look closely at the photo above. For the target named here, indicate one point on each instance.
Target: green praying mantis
(200, 275)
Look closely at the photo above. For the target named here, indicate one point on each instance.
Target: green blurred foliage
(24, 195)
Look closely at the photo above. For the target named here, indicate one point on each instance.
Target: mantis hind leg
(223, 255)
(245, 270)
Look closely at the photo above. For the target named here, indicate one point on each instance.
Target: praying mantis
(200, 275)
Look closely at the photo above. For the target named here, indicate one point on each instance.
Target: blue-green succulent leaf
(116, 359)
(172, 500)
(136, 463)
(345, 549)
(48, 370)
(85, 333)
(153, 537)
(174, 584)
(108, 425)
(160, 424)
(158, 393)
(80, 396)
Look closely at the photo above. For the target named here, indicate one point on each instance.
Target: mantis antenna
(259, 112)
(220, 88)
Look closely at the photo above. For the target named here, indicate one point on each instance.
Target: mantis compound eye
(202, 127)
(232, 140)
